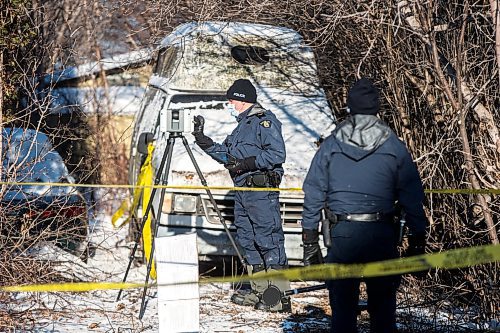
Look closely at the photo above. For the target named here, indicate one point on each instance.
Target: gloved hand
(312, 251)
(201, 139)
(199, 124)
(240, 166)
(416, 245)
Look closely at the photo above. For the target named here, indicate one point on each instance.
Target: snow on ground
(98, 311)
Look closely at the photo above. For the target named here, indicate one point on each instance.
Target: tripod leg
(170, 149)
(146, 213)
(150, 265)
(212, 200)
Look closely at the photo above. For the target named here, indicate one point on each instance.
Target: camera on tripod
(173, 119)
(176, 120)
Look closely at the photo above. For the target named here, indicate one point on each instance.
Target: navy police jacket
(258, 134)
(362, 168)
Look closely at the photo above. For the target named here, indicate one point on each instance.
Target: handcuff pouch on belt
(263, 179)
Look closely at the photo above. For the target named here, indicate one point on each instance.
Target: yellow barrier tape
(147, 232)
(146, 172)
(144, 188)
(180, 187)
(73, 287)
(452, 259)
(463, 191)
(232, 188)
(124, 207)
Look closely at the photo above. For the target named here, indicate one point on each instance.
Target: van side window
(250, 55)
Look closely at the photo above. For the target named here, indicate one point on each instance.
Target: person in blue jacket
(253, 153)
(359, 172)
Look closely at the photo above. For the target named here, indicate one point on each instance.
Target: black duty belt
(263, 179)
(374, 217)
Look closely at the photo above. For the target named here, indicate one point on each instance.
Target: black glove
(240, 166)
(416, 245)
(201, 139)
(312, 251)
(199, 123)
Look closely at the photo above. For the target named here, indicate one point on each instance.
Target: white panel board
(178, 305)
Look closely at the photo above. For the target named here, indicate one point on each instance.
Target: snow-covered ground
(98, 311)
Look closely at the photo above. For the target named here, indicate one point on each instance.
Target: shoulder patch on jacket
(265, 123)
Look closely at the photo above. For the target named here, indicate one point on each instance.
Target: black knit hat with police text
(363, 98)
(242, 90)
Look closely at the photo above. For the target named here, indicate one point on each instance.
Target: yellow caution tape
(457, 258)
(142, 182)
(147, 232)
(143, 190)
(463, 191)
(233, 188)
(124, 207)
(452, 259)
(73, 287)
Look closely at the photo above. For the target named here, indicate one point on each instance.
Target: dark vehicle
(33, 213)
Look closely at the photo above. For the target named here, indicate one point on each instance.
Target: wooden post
(178, 305)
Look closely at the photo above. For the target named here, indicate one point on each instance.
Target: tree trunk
(495, 16)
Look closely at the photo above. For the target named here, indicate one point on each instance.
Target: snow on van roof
(204, 56)
(193, 29)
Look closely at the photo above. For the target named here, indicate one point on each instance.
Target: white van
(195, 66)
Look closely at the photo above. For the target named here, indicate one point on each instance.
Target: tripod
(163, 170)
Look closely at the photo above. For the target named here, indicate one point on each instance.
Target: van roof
(203, 57)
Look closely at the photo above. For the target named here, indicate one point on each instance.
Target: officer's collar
(251, 111)
(245, 113)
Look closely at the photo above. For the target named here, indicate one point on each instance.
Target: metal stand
(164, 170)
(272, 295)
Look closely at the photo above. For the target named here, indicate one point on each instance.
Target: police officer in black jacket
(359, 172)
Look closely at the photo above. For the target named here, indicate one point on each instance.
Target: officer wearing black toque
(359, 172)
(259, 150)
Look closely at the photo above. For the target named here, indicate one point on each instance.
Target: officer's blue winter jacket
(362, 167)
(258, 134)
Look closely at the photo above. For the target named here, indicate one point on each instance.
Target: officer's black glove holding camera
(312, 251)
(240, 166)
(201, 139)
